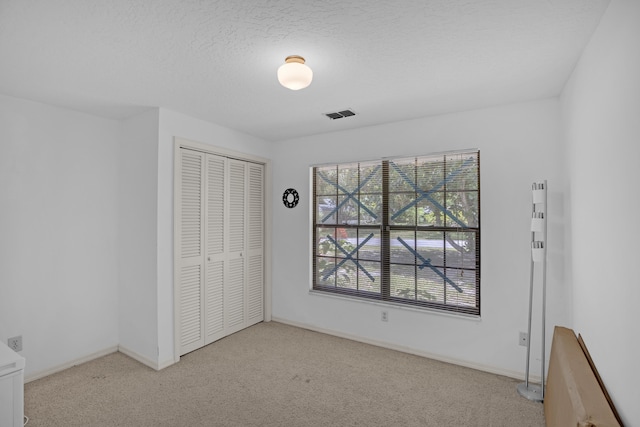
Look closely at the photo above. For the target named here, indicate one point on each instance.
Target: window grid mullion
(444, 265)
(358, 230)
(415, 261)
(444, 233)
(385, 267)
(415, 228)
(314, 217)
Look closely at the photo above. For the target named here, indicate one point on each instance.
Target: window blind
(404, 230)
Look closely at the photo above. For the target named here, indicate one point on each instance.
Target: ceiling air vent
(340, 114)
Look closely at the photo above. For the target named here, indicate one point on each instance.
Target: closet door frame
(180, 143)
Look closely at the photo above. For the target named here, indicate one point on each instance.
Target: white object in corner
(538, 256)
(11, 387)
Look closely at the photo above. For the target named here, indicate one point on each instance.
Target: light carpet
(273, 374)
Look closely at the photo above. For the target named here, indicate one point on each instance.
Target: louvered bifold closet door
(255, 244)
(234, 285)
(215, 248)
(191, 241)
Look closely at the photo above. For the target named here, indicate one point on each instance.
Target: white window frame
(383, 292)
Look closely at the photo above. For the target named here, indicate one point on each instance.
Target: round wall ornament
(290, 198)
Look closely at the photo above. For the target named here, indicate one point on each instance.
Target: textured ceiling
(217, 60)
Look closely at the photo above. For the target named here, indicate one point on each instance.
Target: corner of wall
(137, 235)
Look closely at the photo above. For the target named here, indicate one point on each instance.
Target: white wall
(58, 228)
(172, 125)
(518, 145)
(86, 255)
(601, 109)
(137, 233)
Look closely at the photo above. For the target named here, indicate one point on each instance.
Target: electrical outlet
(15, 343)
(384, 316)
(523, 339)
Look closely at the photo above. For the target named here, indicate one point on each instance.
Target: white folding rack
(538, 256)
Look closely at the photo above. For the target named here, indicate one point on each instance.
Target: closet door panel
(234, 301)
(255, 290)
(220, 235)
(214, 302)
(191, 240)
(215, 247)
(235, 283)
(255, 207)
(191, 310)
(255, 244)
(236, 208)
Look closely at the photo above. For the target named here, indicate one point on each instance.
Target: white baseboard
(143, 359)
(391, 346)
(75, 362)
(158, 366)
(132, 354)
(165, 364)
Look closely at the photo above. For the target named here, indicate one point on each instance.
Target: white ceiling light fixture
(294, 74)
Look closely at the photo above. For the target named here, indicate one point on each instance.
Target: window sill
(463, 316)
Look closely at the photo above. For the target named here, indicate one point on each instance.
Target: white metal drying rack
(538, 255)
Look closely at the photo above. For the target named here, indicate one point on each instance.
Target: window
(404, 230)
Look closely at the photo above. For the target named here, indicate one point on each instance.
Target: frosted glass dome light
(294, 74)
